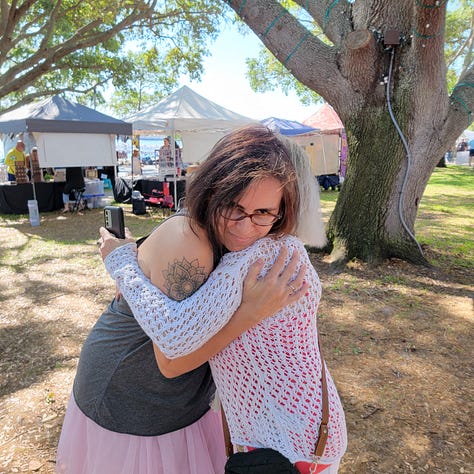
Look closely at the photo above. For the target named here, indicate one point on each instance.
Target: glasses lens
(234, 214)
(264, 219)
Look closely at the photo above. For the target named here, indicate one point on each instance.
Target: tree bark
(358, 227)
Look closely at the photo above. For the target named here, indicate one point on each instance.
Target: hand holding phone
(114, 221)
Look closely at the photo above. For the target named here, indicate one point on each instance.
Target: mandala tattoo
(183, 278)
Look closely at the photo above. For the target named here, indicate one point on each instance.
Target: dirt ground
(397, 340)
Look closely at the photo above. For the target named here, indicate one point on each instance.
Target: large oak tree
(381, 65)
(51, 47)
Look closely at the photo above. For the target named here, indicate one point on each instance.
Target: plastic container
(33, 212)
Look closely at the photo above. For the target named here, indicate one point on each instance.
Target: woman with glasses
(242, 205)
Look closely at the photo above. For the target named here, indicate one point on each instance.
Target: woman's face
(262, 196)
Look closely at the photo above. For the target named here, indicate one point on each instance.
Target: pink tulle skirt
(87, 448)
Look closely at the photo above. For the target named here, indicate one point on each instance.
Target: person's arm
(181, 327)
(173, 240)
(9, 159)
(263, 297)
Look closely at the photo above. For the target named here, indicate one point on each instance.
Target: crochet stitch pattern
(269, 378)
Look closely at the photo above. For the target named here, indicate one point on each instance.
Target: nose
(245, 225)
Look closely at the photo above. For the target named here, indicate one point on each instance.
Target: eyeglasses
(261, 218)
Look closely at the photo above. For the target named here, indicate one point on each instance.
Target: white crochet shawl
(268, 379)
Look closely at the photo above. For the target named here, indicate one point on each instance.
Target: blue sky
(224, 81)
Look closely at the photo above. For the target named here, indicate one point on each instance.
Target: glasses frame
(244, 215)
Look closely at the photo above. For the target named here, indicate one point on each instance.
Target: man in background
(471, 151)
(74, 183)
(14, 156)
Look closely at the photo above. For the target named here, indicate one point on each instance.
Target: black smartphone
(114, 221)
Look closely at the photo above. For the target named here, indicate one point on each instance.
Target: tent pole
(173, 154)
(32, 178)
(324, 155)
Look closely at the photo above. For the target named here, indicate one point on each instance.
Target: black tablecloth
(14, 198)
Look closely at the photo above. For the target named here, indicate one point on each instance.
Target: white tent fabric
(196, 146)
(66, 133)
(199, 121)
(185, 111)
(62, 150)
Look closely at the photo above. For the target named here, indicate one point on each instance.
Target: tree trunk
(366, 223)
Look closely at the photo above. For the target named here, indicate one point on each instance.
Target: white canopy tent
(199, 122)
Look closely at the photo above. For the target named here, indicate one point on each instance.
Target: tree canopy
(80, 47)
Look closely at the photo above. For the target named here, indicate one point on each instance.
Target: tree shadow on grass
(29, 351)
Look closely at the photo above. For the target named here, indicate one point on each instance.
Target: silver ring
(292, 287)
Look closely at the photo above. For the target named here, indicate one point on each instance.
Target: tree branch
(42, 61)
(429, 38)
(324, 14)
(43, 94)
(467, 45)
(461, 107)
(49, 27)
(11, 15)
(292, 44)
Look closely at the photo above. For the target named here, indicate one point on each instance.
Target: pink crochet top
(269, 378)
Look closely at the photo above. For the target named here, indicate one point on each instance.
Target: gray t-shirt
(119, 386)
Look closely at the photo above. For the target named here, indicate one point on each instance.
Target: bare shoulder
(177, 258)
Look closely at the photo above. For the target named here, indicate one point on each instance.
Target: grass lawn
(397, 338)
(445, 222)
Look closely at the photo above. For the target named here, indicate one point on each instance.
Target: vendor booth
(14, 198)
(66, 134)
(322, 149)
(199, 122)
(328, 154)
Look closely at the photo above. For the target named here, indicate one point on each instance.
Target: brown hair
(243, 156)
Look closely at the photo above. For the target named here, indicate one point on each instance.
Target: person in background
(471, 151)
(463, 145)
(269, 378)
(165, 153)
(74, 182)
(124, 415)
(14, 156)
(136, 164)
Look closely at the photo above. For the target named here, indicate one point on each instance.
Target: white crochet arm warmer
(178, 328)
